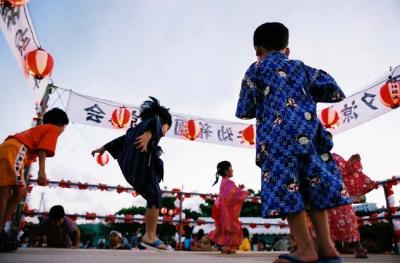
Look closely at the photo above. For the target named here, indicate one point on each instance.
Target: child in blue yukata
(293, 148)
(138, 156)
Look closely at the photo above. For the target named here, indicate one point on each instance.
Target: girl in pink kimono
(226, 210)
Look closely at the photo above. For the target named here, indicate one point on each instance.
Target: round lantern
(120, 117)
(192, 130)
(248, 135)
(171, 212)
(329, 118)
(164, 210)
(390, 94)
(102, 159)
(16, 2)
(39, 63)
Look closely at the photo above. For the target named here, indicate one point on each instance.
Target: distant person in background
(226, 210)
(201, 242)
(116, 242)
(260, 245)
(246, 245)
(59, 230)
(283, 244)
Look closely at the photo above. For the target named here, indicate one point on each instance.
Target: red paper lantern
(102, 159)
(39, 63)
(164, 210)
(192, 130)
(329, 118)
(171, 212)
(248, 135)
(390, 94)
(121, 117)
(252, 225)
(16, 2)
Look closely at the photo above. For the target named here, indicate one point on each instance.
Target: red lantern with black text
(121, 117)
(39, 63)
(102, 159)
(329, 118)
(390, 94)
(192, 130)
(248, 135)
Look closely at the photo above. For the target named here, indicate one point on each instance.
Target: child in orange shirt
(16, 153)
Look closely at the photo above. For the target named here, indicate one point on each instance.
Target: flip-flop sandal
(293, 259)
(331, 260)
(154, 245)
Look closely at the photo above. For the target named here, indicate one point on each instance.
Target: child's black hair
(245, 232)
(56, 212)
(222, 167)
(271, 36)
(55, 116)
(152, 107)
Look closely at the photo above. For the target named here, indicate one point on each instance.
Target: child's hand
(42, 178)
(241, 186)
(142, 141)
(100, 151)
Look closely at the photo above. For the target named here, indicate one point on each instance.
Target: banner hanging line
(377, 99)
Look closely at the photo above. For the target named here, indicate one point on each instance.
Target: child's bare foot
(328, 251)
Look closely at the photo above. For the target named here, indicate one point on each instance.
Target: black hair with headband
(222, 167)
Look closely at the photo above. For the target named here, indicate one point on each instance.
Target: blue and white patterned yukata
(293, 148)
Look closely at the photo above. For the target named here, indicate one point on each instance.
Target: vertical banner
(17, 28)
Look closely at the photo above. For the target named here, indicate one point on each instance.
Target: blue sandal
(293, 259)
(155, 245)
(331, 260)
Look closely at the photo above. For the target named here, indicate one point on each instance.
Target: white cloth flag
(353, 111)
(18, 30)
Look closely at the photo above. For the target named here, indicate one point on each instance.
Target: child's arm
(143, 140)
(42, 178)
(246, 106)
(323, 87)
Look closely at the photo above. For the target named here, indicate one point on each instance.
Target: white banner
(353, 111)
(98, 112)
(368, 104)
(19, 33)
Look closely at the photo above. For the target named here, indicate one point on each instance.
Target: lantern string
(31, 27)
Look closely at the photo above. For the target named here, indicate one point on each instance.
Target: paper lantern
(102, 159)
(329, 118)
(192, 130)
(16, 2)
(390, 94)
(171, 212)
(163, 210)
(248, 135)
(39, 63)
(121, 117)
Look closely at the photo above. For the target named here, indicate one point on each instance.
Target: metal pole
(390, 219)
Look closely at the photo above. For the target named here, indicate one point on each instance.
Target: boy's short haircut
(271, 36)
(56, 212)
(55, 116)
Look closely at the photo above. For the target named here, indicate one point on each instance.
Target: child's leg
(326, 248)
(151, 227)
(13, 201)
(299, 229)
(4, 196)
